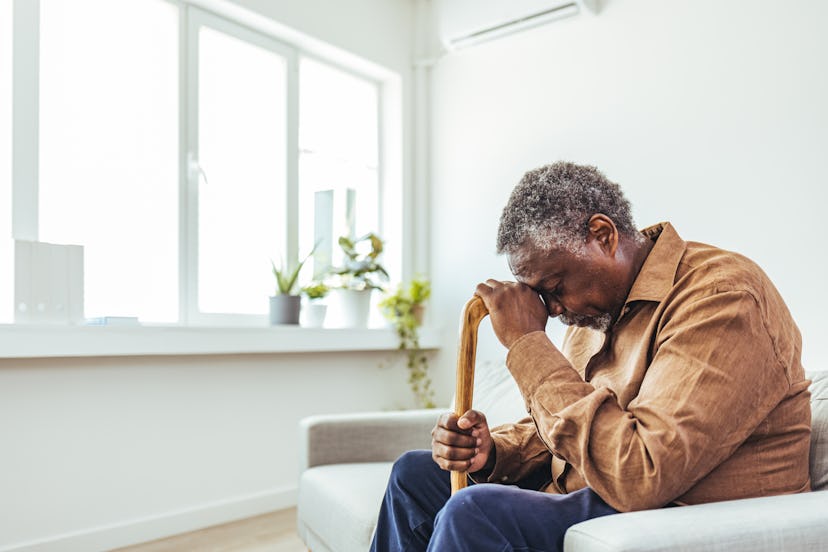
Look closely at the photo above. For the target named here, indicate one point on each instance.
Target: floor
(273, 532)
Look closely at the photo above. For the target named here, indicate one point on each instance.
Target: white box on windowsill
(48, 283)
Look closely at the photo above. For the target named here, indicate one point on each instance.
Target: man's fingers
(449, 421)
(452, 438)
(471, 419)
(452, 458)
(453, 447)
(452, 465)
(453, 453)
(482, 290)
(456, 440)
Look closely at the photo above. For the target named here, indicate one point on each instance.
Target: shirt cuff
(500, 472)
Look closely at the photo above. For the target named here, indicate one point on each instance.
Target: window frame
(195, 19)
(6, 245)
(257, 30)
(25, 118)
(382, 199)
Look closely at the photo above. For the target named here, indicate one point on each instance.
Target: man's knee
(485, 499)
(412, 466)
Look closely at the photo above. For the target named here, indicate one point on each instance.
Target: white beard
(600, 322)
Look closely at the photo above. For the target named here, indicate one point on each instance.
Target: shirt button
(505, 478)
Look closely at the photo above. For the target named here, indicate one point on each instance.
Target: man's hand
(462, 444)
(515, 309)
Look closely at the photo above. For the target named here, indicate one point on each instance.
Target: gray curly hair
(551, 207)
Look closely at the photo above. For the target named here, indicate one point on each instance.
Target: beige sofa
(346, 461)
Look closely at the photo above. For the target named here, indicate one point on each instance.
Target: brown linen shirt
(696, 394)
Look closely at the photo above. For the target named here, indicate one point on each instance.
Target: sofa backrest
(819, 430)
(496, 394)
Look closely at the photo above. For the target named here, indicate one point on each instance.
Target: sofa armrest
(363, 437)
(788, 522)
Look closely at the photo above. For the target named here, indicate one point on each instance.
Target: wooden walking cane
(473, 313)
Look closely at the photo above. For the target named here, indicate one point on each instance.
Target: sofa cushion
(767, 524)
(338, 504)
(819, 430)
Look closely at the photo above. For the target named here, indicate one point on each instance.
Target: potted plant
(360, 274)
(286, 303)
(404, 310)
(314, 310)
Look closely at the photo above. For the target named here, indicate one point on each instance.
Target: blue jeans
(419, 513)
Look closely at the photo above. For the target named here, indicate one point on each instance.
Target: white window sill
(41, 341)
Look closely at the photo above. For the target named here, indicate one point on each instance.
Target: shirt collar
(658, 273)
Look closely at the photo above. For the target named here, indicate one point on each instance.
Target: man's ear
(604, 232)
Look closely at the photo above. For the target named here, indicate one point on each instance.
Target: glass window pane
(6, 256)
(339, 113)
(109, 149)
(338, 163)
(242, 143)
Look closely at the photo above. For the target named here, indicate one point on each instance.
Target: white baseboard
(149, 528)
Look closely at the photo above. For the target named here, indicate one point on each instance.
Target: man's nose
(553, 306)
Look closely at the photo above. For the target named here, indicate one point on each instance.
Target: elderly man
(678, 382)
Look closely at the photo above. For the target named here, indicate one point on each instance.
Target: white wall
(101, 452)
(97, 453)
(378, 30)
(710, 114)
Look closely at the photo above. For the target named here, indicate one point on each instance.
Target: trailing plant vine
(404, 309)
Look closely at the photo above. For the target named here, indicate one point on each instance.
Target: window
(338, 164)
(241, 149)
(185, 151)
(6, 258)
(109, 149)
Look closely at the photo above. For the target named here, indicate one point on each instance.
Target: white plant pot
(313, 314)
(353, 307)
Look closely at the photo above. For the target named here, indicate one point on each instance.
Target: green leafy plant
(404, 309)
(361, 269)
(287, 275)
(316, 290)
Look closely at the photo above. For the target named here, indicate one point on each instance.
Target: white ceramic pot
(353, 307)
(313, 314)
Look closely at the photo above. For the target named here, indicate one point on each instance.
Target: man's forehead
(530, 261)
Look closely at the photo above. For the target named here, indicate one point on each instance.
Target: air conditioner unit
(462, 23)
